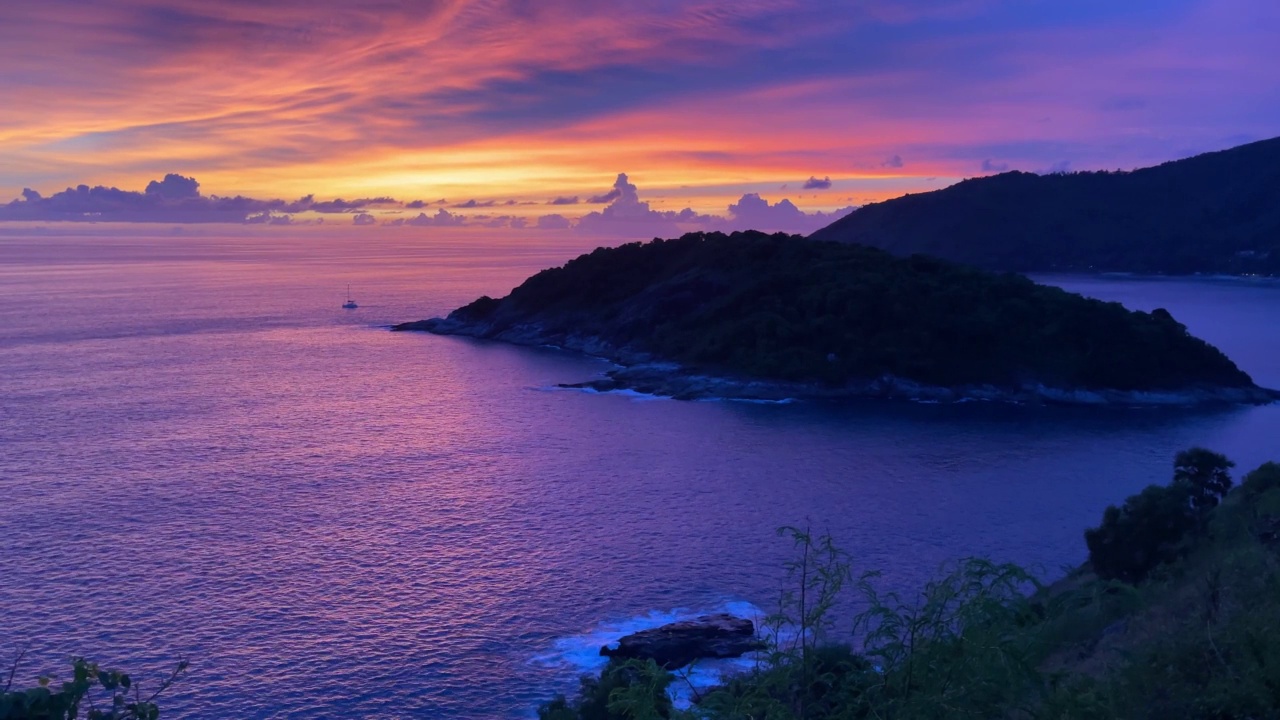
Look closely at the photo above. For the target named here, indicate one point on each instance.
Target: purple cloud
(605, 198)
(564, 201)
(631, 217)
(175, 199)
(267, 218)
(473, 203)
(991, 166)
(339, 205)
(755, 213)
(442, 218)
(813, 183)
(893, 162)
(627, 215)
(554, 222)
(174, 187)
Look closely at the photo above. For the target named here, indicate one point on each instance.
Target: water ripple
(204, 458)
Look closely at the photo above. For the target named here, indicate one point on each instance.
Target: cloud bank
(628, 215)
(177, 199)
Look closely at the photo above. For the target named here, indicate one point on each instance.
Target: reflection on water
(205, 456)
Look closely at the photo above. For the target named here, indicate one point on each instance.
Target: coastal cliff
(769, 317)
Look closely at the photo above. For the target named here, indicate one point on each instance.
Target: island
(1216, 213)
(772, 317)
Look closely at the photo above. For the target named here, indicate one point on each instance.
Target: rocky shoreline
(666, 380)
(642, 373)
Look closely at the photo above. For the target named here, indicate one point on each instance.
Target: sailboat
(349, 304)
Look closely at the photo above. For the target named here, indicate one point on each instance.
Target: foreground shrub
(630, 690)
(102, 693)
(959, 649)
(1260, 481)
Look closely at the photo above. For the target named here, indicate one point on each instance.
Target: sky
(617, 117)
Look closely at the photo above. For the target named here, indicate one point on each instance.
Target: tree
(1143, 533)
(1149, 528)
(1206, 473)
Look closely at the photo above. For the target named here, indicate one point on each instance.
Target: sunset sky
(496, 109)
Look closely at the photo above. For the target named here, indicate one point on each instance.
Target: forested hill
(1212, 213)
(784, 308)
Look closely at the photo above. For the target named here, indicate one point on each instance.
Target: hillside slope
(1213, 213)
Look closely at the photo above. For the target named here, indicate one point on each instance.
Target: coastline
(647, 375)
(1241, 278)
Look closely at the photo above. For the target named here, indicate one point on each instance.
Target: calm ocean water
(203, 456)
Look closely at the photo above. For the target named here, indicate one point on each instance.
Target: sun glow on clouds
(700, 101)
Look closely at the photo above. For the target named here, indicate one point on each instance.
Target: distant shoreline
(1120, 275)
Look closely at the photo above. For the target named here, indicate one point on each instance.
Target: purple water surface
(202, 455)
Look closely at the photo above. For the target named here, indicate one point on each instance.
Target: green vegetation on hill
(1213, 213)
(780, 307)
(1194, 638)
(1151, 527)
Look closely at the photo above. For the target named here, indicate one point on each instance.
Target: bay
(202, 455)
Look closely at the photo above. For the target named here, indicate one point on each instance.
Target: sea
(204, 457)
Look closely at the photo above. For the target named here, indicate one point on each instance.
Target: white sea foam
(624, 392)
(752, 401)
(580, 654)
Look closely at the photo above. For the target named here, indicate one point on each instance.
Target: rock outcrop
(680, 643)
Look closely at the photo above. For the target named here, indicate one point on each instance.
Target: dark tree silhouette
(1150, 528)
(1141, 534)
(1206, 473)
